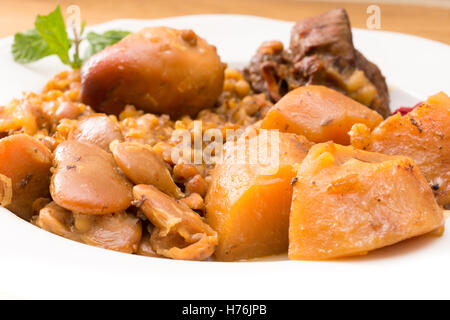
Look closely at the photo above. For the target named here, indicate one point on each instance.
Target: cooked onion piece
(179, 232)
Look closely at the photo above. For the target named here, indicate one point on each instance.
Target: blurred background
(425, 18)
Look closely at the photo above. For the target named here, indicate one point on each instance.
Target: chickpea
(196, 185)
(242, 88)
(184, 171)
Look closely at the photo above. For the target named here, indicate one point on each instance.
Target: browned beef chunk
(371, 71)
(328, 35)
(271, 71)
(321, 52)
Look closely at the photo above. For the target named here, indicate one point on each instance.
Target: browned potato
(249, 207)
(27, 163)
(144, 166)
(320, 114)
(87, 180)
(423, 134)
(160, 70)
(97, 129)
(120, 231)
(348, 202)
(179, 232)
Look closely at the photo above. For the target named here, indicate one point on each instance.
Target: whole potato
(159, 69)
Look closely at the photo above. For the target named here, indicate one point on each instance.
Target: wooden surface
(425, 21)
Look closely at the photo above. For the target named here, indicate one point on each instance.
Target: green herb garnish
(50, 37)
(29, 46)
(99, 42)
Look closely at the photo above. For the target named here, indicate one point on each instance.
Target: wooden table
(424, 21)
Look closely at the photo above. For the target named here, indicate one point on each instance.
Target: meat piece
(328, 34)
(27, 163)
(321, 52)
(179, 232)
(99, 129)
(159, 69)
(381, 101)
(87, 180)
(271, 70)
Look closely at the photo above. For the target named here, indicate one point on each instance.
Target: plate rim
(218, 266)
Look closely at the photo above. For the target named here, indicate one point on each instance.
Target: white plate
(38, 264)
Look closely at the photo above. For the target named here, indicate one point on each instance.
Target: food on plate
(142, 165)
(118, 231)
(87, 180)
(5, 191)
(248, 204)
(321, 52)
(320, 114)
(151, 146)
(145, 247)
(179, 232)
(348, 202)
(100, 130)
(158, 69)
(26, 162)
(422, 134)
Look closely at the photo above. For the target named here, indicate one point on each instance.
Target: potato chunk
(320, 114)
(27, 163)
(87, 180)
(100, 130)
(347, 202)
(248, 207)
(119, 231)
(159, 69)
(423, 135)
(179, 232)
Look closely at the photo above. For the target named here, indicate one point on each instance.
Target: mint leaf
(50, 37)
(53, 30)
(99, 41)
(29, 46)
